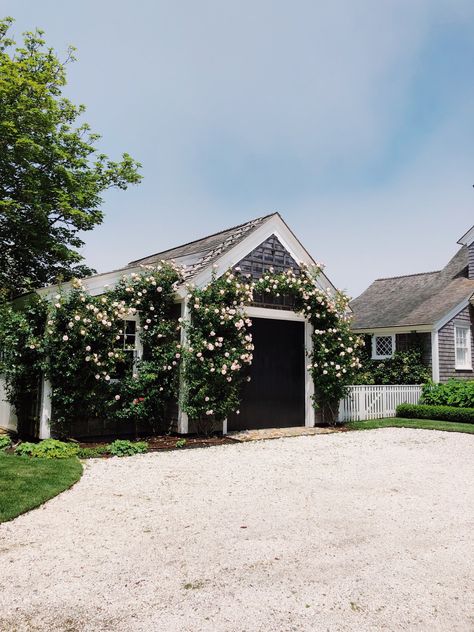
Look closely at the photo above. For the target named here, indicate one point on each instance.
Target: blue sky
(355, 120)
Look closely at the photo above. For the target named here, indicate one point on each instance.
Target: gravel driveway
(354, 531)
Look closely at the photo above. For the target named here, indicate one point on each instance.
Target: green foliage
(180, 443)
(5, 442)
(405, 367)
(51, 173)
(48, 449)
(123, 447)
(25, 449)
(91, 453)
(22, 352)
(27, 483)
(458, 393)
(443, 413)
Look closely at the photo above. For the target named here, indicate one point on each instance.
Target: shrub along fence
(376, 402)
(441, 413)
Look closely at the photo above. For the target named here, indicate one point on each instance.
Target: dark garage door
(275, 395)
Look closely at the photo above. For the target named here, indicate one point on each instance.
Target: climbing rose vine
(83, 345)
(219, 348)
(214, 373)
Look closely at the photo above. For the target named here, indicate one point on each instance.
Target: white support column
(45, 410)
(183, 422)
(309, 384)
(224, 427)
(434, 356)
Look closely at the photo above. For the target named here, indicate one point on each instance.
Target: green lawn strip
(26, 483)
(426, 424)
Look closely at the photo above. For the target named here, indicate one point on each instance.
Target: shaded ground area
(348, 531)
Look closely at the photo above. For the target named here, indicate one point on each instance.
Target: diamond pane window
(382, 347)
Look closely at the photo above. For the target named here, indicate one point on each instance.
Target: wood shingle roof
(198, 254)
(414, 300)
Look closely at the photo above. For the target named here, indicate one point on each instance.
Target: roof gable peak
(468, 238)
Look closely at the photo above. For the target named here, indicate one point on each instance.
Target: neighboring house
(281, 388)
(432, 310)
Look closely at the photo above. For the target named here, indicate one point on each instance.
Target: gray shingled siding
(404, 342)
(446, 347)
(471, 261)
(269, 254)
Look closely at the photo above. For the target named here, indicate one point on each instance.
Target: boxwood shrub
(440, 413)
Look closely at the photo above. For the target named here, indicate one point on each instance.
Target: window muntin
(128, 342)
(462, 347)
(383, 347)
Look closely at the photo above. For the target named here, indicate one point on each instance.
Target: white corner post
(309, 384)
(183, 422)
(45, 410)
(435, 355)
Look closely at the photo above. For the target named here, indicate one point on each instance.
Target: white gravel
(358, 531)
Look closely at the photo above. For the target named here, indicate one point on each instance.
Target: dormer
(468, 240)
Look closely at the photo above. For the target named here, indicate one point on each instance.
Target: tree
(51, 173)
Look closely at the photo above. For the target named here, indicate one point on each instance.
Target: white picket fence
(375, 402)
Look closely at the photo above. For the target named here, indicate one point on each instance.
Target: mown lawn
(26, 483)
(398, 422)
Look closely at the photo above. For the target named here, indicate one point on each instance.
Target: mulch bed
(168, 442)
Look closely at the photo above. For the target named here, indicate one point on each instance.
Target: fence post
(362, 413)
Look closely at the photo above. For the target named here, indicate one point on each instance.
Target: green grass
(426, 424)
(26, 483)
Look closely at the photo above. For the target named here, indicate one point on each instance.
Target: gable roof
(211, 254)
(200, 253)
(416, 299)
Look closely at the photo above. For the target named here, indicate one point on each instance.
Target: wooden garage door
(275, 397)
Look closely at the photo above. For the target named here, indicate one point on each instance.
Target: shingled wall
(447, 360)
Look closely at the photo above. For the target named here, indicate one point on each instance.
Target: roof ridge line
(404, 276)
(194, 241)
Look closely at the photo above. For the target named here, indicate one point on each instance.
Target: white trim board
(386, 331)
(275, 314)
(467, 238)
(452, 314)
(434, 356)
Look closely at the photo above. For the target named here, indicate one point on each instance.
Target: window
(462, 347)
(129, 343)
(383, 347)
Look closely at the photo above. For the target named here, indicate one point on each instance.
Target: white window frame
(138, 351)
(468, 365)
(375, 356)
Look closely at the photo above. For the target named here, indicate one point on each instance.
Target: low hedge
(441, 413)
